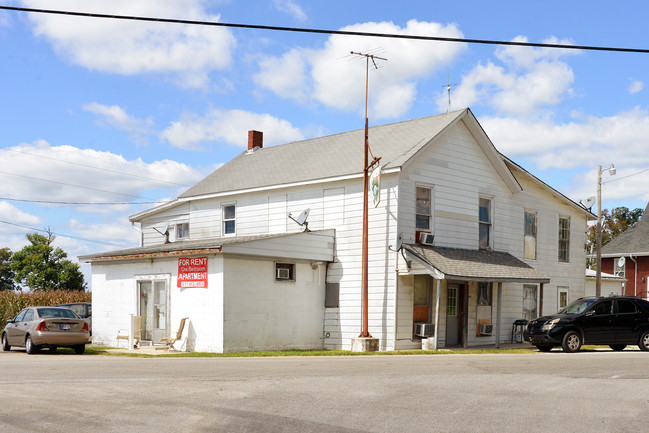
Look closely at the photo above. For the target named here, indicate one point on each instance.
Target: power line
(76, 186)
(95, 168)
(624, 177)
(329, 32)
(82, 202)
(66, 236)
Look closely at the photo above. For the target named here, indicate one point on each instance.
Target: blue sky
(96, 110)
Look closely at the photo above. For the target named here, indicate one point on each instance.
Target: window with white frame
(486, 226)
(619, 267)
(530, 235)
(229, 219)
(562, 298)
(530, 302)
(564, 239)
(182, 231)
(484, 294)
(424, 207)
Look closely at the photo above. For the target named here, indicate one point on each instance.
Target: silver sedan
(38, 327)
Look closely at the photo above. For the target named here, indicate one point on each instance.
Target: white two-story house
(462, 243)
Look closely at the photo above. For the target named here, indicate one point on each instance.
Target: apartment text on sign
(192, 272)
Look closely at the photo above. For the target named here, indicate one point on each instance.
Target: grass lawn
(95, 350)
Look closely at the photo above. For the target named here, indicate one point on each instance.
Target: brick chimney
(255, 139)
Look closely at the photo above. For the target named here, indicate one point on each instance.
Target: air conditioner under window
(424, 329)
(426, 238)
(486, 329)
(283, 274)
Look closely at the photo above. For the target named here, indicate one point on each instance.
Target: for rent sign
(192, 272)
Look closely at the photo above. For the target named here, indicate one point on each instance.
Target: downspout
(396, 298)
(635, 271)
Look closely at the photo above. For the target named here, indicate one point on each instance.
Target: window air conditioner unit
(424, 329)
(283, 274)
(426, 238)
(486, 329)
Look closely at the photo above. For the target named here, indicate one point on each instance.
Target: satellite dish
(301, 218)
(588, 203)
(620, 262)
(164, 232)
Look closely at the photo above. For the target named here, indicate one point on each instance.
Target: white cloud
(525, 80)
(635, 86)
(115, 116)
(9, 212)
(586, 141)
(228, 126)
(40, 171)
(333, 77)
(127, 47)
(291, 8)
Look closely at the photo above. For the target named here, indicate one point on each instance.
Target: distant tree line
(40, 267)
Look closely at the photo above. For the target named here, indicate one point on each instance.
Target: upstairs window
(530, 235)
(564, 239)
(229, 214)
(423, 212)
(182, 231)
(485, 223)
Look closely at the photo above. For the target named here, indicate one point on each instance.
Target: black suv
(614, 321)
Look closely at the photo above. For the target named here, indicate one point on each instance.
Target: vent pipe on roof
(255, 139)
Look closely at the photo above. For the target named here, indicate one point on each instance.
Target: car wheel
(30, 347)
(617, 347)
(79, 349)
(644, 341)
(571, 342)
(5, 345)
(544, 348)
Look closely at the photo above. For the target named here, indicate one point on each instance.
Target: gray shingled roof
(324, 157)
(634, 240)
(476, 265)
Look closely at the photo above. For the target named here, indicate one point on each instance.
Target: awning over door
(472, 265)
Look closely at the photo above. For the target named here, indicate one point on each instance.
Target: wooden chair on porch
(170, 340)
(124, 334)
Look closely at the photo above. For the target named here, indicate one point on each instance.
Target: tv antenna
(448, 89)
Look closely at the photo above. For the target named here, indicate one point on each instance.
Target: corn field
(12, 302)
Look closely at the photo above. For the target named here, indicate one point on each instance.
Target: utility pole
(365, 342)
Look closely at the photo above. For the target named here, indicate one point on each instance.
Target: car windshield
(579, 306)
(45, 313)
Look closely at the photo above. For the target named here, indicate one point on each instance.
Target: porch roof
(474, 265)
(235, 244)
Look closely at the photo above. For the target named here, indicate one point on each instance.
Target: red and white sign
(192, 272)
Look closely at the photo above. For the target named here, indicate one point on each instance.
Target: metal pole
(598, 233)
(365, 301)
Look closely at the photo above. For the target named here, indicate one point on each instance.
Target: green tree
(40, 266)
(6, 274)
(613, 223)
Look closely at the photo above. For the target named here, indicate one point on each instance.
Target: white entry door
(153, 309)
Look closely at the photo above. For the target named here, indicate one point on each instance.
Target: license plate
(65, 327)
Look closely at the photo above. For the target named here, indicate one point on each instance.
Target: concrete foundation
(364, 344)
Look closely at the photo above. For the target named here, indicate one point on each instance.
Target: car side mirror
(10, 321)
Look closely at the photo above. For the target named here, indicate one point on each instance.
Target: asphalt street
(543, 392)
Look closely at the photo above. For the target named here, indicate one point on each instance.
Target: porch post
(540, 301)
(439, 291)
(498, 313)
